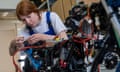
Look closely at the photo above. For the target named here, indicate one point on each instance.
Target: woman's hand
(37, 37)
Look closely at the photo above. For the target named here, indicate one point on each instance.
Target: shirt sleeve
(57, 23)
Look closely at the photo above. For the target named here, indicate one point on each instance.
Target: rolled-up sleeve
(57, 23)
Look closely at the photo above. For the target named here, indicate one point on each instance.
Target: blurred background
(9, 23)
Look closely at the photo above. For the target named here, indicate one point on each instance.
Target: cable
(22, 49)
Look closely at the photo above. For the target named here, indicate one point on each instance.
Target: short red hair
(26, 7)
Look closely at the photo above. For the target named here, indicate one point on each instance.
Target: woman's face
(31, 20)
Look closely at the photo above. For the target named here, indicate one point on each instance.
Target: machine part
(86, 28)
(113, 19)
(79, 11)
(111, 60)
(71, 24)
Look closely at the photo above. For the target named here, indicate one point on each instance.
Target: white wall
(8, 4)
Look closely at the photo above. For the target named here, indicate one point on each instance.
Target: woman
(36, 27)
(33, 19)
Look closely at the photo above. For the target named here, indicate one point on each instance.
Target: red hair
(26, 7)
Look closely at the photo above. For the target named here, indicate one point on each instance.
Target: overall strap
(30, 30)
(48, 18)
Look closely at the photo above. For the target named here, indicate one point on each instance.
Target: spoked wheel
(105, 60)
